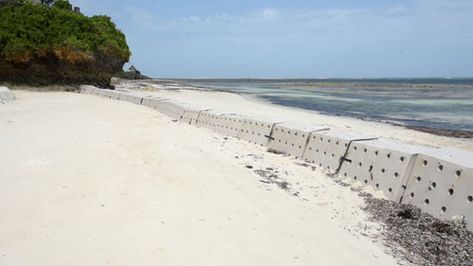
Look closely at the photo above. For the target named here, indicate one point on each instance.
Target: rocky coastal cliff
(53, 44)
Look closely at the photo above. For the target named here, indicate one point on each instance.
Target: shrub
(28, 31)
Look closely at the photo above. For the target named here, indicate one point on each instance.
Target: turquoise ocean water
(433, 103)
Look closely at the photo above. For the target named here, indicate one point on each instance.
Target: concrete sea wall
(438, 181)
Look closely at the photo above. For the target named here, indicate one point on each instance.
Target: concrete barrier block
(96, 91)
(441, 183)
(6, 95)
(207, 118)
(136, 99)
(178, 110)
(106, 93)
(124, 96)
(87, 89)
(171, 108)
(131, 97)
(292, 138)
(111, 94)
(328, 148)
(219, 121)
(163, 107)
(191, 115)
(256, 130)
(115, 95)
(382, 164)
(152, 101)
(102, 93)
(228, 124)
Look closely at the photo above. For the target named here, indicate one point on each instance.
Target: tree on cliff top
(29, 32)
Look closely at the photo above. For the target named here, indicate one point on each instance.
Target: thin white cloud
(140, 17)
(270, 13)
(397, 10)
(219, 18)
(191, 19)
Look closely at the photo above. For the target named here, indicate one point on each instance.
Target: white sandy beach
(248, 106)
(91, 181)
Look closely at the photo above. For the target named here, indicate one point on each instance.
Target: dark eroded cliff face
(52, 70)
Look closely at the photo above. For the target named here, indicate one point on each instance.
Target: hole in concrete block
(402, 158)
(458, 173)
(383, 171)
(360, 164)
(390, 190)
(418, 179)
(377, 185)
(376, 153)
(345, 174)
(434, 185)
(336, 143)
(366, 182)
(440, 167)
(412, 195)
(426, 201)
(443, 209)
(333, 155)
(355, 177)
(424, 162)
(295, 133)
(469, 199)
(355, 148)
(396, 174)
(329, 140)
(388, 155)
(450, 191)
(365, 150)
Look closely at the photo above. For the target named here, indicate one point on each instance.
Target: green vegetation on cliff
(51, 43)
(30, 30)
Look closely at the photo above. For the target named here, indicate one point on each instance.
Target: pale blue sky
(295, 39)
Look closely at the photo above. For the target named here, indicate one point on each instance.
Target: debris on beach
(418, 237)
(271, 177)
(270, 150)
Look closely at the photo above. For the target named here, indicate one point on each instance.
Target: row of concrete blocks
(6, 95)
(439, 181)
